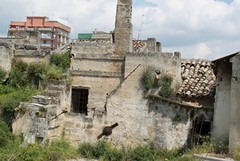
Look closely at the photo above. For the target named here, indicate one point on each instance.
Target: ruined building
(226, 117)
(106, 89)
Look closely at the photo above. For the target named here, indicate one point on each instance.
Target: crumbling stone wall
(149, 45)
(41, 119)
(5, 56)
(172, 124)
(26, 49)
(31, 56)
(167, 63)
(114, 100)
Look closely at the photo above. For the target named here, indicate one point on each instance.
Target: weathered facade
(226, 117)
(25, 49)
(106, 89)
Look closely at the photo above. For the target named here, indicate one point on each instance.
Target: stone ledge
(96, 73)
(98, 57)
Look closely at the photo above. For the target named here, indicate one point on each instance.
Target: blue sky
(206, 29)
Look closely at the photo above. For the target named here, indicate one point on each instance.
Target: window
(80, 100)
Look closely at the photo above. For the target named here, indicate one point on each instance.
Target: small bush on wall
(166, 82)
(148, 78)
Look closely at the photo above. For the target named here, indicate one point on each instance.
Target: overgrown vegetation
(104, 151)
(54, 151)
(2, 75)
(63, 61)
(164, 83)
(11, 149)
(165, 86)
(148, 78)
(10, 98)
(26, 80)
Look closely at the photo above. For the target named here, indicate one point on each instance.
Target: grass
(147, 78)
(104, 151)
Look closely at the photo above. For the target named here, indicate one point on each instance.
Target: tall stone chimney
(123, 27)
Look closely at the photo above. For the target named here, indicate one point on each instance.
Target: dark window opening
(80, 100)
(201, 131)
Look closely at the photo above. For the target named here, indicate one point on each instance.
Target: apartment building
(50, 34)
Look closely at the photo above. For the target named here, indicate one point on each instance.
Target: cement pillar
(123, 27)
(234, 131)
(222, 105)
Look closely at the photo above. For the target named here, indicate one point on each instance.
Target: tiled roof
(198, 78)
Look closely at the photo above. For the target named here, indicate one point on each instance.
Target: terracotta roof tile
(198, 78)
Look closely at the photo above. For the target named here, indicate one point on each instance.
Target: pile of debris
(198, 78)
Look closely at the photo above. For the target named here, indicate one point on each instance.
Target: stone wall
(5, 58)
(112, 100)
(149, 45)
(167, 63)
(26, 49)
(42, 119)
(234, 131)
(31, 56)
(99, 88)
(91, 47)
(172, 124)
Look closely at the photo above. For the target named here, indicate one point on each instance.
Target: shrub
(20, 65)
(5, 134)
(166, 82)
(12, 151)
(56, 150)
(2, 74)
(35, 73)
(113, 154)
(142, 153)
(236, 154)
(86, 150)
(165, 154)
(60, 150)
(18, 78)
(9, 101)
(147, 78)
(61, 60)
(53, 74)
(220, 145)
(97, 150)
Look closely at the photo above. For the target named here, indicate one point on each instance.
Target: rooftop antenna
(140, 30)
